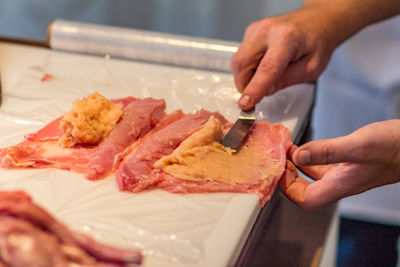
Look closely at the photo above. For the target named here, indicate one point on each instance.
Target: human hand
(344, 166)
(293, 48)
(280, 51)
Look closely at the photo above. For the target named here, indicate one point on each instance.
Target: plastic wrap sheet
(141, 45)
(168, 228)
(159, 223)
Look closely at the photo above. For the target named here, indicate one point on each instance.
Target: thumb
(341, 149)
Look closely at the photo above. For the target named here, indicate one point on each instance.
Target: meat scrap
(29, 236)
(46, 77)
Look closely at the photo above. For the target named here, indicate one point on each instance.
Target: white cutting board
(171, 229)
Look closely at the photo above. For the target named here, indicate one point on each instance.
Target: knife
(236, 134)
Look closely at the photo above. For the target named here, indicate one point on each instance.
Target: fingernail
(304, 157)
(244, 100)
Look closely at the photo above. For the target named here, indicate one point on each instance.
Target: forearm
(343, 18)
(295, 47)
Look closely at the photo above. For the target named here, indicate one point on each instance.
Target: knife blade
(236, 134)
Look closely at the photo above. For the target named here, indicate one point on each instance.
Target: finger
(313, 172)
(292, 185)
(252, 30)
(309, 196)
(245, 61)
(341, 149)
(270, 69)
(345, 179)
(321, 194)
(304, 70)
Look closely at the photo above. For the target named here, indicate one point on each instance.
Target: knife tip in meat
(239, 130)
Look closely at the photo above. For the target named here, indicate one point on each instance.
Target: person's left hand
(344, 166)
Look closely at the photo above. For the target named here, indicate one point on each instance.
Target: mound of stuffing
(89, 121)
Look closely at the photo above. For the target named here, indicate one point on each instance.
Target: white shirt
(361, 85)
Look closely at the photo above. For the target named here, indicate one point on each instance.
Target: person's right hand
(280, 51)
(344, 166)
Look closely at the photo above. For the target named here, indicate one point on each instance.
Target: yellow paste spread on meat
(201, 157)
(89, 121)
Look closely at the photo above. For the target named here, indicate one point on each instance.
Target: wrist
(335, 24)
(343, 18)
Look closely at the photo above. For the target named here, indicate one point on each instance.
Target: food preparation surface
(171, 229)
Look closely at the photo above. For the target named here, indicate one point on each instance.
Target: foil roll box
(141, 45)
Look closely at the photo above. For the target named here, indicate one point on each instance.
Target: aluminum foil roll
(141, 45)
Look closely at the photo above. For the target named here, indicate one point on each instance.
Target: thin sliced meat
(268, 141)
(53, 131)
(29, 154)
(144, 135)
(29, 236)
(138, 119)
(135, 173)
(272, 140)
(41, 150)
(168, 119)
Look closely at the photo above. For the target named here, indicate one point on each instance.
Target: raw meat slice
(143, 136)
(138, 119)
(135, 173)
(41, 150)
(29, 236)
(271, 140)
(265, 156)
(53, 131)
(45, 154)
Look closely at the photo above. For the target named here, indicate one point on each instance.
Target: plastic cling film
(170, 229)
(141, 45)
(162, 225)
